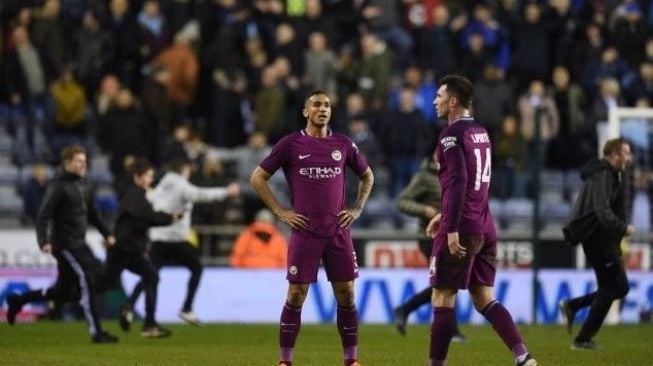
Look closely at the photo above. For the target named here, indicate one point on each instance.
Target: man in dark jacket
(421, 198)
(135, 217)
(599, 223)
(61, 224)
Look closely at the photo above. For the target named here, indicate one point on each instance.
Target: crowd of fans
(164, 78)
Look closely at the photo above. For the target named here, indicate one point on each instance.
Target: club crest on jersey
(292, 270)
(336, 155)
(448, 142)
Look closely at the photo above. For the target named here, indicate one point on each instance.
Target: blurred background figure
(260, 245)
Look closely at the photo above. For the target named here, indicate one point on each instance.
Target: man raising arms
(465, 245)
(313, 161)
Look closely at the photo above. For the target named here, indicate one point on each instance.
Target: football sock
(291, 319)
(505, 327)
(347, 321)
(442, 329)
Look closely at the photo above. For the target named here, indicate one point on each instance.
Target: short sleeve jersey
(315, 171)
(464, 156)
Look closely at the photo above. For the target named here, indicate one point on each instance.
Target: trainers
(104, 337)
(400, 320)
(583, 345)
(126, 317)
(190, 318)
(458, 338)
(155, 331)
(568, 314)
(14, 304)
(529, 361)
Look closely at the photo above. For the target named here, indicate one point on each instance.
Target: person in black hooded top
(135, 217)
(599, 223)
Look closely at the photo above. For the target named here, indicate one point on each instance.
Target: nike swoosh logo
(302, 157)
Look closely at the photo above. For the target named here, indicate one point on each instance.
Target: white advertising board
(256, 296)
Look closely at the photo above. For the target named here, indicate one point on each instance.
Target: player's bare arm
(348, 216)
(259, 182)
(433, 226)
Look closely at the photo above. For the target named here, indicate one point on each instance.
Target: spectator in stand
(321, 69)
(106, 97)
(629, 32)
(536, 101)
(354, 107)
(290, 80)
(642, 86)
(361, 134)
(48, 37)
(438, 48)
(532, 53)
(382, 18)
(316, 21)
(405, 137)
(270, 104)
(494, 39)
(159, 110)
(25, 81)
(70, 122)
(212, 173)
(175, 144)
(123, 131)
(371, 73)
(511, 151)
(33, 192)
(586, 49)
(125, 63)
(93, 49)
(153, 31)
(566, 28)
(609, 97)
(183, 66)
(569, 149)
(475, 57)
(289, 45)
(493, 100)
(424, 88)
(260, 245)
(609, 65)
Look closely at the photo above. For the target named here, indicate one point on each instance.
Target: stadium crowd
(170, 78)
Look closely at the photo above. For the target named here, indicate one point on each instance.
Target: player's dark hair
(69, 152)
(614, 145)
(178, 164)
(138, 167)
(459, 87)
(314, 93)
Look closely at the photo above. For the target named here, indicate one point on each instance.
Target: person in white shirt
(170, 245)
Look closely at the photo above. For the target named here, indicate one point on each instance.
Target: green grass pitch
(47, 343)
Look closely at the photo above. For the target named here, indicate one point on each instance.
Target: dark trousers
(76, 281)
(175, 253)
(424, 296)
(119, 260)
(604, 256)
